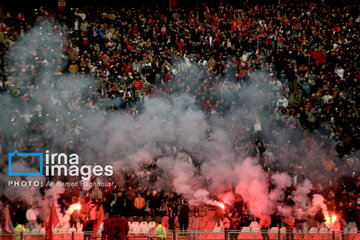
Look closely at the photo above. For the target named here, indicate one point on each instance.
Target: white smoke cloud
(173, 132)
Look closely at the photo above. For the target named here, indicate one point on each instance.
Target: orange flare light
(74, 207)
(329, 222)
(220, 204)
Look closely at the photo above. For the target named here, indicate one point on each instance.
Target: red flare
(220, 204)
(74, 207)
(329, 222)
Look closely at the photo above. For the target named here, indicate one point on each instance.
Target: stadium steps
(292, 99)
(293, 94)
(295, 86)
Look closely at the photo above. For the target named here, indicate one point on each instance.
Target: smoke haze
(172, 131)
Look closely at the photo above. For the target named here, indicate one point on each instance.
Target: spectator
(194, 225)
(265, 222)
(74, 219)
(140, 206)
(154, 204)
(289, 225)
(172, 214)
(184, 216)
(160, 232)
(88, 225)
(235, 226)
(227, 224)
(19, 231)
(31, 216)
(282, 102)
(84, 210)
(73, 68)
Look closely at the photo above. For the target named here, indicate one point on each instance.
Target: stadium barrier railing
(198, 235)
(192, 235)
(78, 235)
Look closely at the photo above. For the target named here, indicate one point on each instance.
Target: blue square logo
(17, 154)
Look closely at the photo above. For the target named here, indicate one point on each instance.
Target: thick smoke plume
(188, 146)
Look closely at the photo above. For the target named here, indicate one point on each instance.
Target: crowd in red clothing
(300, 61)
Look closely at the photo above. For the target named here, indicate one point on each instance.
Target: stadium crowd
(302, 60)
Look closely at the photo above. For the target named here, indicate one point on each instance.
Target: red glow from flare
(74, 207)
(220, 204)
(329, 222)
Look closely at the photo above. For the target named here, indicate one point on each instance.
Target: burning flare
(329, 222)
(74, 207)
(220, 204)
